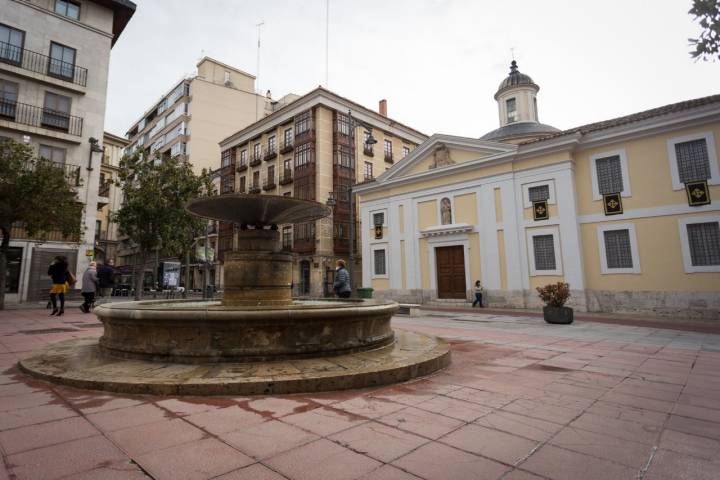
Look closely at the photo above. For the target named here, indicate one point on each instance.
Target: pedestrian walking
(478, 289)
(106, 277)
(90, 284)
(342, 280)
(61, 280)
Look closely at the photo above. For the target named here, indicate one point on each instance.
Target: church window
(539, 193)
(693, 161)
(609, 175)
(511, 107)
(380, 265)
(704, 242)
(544, 252)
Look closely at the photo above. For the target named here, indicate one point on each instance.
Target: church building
(627, 211)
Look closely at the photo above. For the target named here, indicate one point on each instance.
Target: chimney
(383, 107)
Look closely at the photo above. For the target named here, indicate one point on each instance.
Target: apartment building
(109, 198)
(54, 57)
(625, 210)
(315, 148)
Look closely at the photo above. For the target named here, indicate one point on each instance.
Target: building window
(287, 237)
(227, 77)
(379, 219)
(271, 144)
(8, 99)
(379, 263)
(256, 180)
(303, 155)
(62, 61)
(693, 158)
(539, 193)
(388, 150)
(342, 125)
(287, 165)
(243, 158)
(228, 157)
(302, 122)
(511, 108)
(368, 170)
(228, 184)
(544, 252)
(343, 156)
(54, 154)
(406, 151)
(67, 9)
(618, 249)
(704, 242)
(609, 171)
(256, 151)
(11, 44)
(242, 184)
(271, 174)
(288, 136)
(56, 113)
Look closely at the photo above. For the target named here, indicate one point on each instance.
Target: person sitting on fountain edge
(342, 280)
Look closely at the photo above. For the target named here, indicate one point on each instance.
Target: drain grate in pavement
(48, 330)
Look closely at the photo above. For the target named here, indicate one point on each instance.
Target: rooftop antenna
(327, 43)
(512, 52)
(257, 71)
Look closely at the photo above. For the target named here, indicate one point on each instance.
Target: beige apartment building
(109, 198)
(54, 58)
(314, 148)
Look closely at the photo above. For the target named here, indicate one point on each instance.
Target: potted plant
(555, 295)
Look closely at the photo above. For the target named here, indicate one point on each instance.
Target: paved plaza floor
(522, 400)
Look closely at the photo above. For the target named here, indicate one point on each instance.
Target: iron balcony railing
(286, 145)
(254, 188)
(104, 190)
(269, 183)
(40, 117)
(39, 63)
(286, 177)
(70, 172)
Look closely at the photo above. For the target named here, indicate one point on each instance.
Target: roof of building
(514, 79)
(315, 92)
(123, 10)
(635, 117)
(519, 130)
(107, 136)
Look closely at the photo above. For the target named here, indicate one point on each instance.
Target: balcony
(255, 188)
(242, 167)
(270, 154)
(255, 160)
(103, 194)
(286, 177)
(286, 146)
(389, 157)
(368, 177)
(269, 184)
(40, 117)
(368, 150)
(38, 63)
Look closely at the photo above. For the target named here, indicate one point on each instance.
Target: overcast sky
(437, 62)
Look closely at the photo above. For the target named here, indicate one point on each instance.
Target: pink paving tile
(17, 389)
(278, 407)
(669, 465)
(543, 411)
(405, 395)
(267, 439)
(324, 421)
(196, 460)
(638, 402)
(627, 413)
(454, 408)
(322, 459)
(25, 400)
(562, 388)
(420, 422)
(617, 428)
(225, 420)
(64, 459)
(693, 445)
(188, 406)
(44, 434)
(560, 464)
(494, 444)
(694, 426)
(647, 392)
(388, 472)
(521, 475)
(378, 441)
(155, 436)
(626, 452)
(253, 472)
(436, 461)
(699, 401)
(124, 470)
(90, 404)
(34, 415)
(527, 427)
(127, 417)
(369, 407)
(482, 397)
(702, 413)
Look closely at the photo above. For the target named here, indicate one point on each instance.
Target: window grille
(618, 253)
(379, 257)
(378, 218)
(609, 175)
(302, 123)
(692, 160)
(704, 242)
(539, 193)
(544, 249)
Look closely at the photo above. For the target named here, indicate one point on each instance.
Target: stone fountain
(258, 339)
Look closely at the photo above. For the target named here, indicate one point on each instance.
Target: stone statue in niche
(441, 157)
(445, 211)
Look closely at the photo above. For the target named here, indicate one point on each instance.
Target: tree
(707, 14)
(153, 214)
(34, 193)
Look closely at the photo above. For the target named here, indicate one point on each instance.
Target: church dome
(514, 79)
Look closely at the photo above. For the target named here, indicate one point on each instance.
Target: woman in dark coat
(60, 276)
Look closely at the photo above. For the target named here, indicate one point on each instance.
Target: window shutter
(704, 242)
(544, 249)
(539, 193)
(617, 249)
(693, 161)
(609, 175)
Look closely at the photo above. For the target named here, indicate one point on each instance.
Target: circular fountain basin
(187, 331)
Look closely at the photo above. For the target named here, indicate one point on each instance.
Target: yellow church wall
(427, 214)
(648, 168)
(424, 264)
(542, 280)
(541, 160)
(381, 284)
(465, 209)
(403, 266)
(456, 155)
(502, 259)
(474, 260)
(660, 252)
(401, 217)
(498, 205)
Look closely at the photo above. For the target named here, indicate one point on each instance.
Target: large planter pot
(558, 315)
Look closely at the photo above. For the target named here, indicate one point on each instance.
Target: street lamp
(352, 122)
